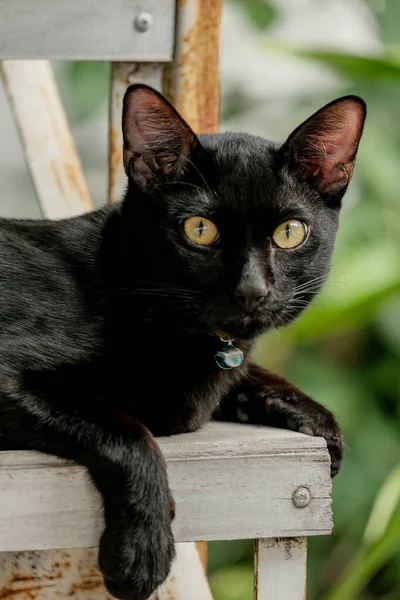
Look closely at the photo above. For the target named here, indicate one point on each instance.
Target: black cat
(111, 322)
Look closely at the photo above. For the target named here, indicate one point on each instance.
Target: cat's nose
(251, 297)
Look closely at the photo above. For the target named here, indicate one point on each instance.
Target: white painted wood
(229, 482)
(81, 30)
(124, 74)
(47, 142)
(280, 569)
(187, 580)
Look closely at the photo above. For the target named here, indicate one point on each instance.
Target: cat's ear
(157, 141)
(323, 149)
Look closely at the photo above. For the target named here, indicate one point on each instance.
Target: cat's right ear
(158, 143)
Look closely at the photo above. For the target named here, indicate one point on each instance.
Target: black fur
(108, 321)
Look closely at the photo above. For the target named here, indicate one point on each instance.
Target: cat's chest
(180, 383)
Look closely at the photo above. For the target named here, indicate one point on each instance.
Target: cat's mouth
(245, 328)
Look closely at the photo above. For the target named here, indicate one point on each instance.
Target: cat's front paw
(135, 558)
(287, 407)
(304, 415)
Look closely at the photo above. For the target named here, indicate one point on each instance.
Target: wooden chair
(229, 481)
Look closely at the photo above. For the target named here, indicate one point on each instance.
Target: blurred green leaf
(350, 65)
(260, 12)
(233, 583)
(232, 552)
(84, 86)
(387, 500)
(387, 16)
(362, 569)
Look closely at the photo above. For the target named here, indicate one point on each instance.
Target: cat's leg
(127, 467)
(264, 398)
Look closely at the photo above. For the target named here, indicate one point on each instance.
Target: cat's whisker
(327, 280)
(310, 281)
(307, 293)
(303, 304)
(315, 288)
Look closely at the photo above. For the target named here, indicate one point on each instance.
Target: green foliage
(349, 65)
(260, 13)
(84, 87)
(381, 542)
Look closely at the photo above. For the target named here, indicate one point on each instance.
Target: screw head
(143, 21)
(301, 497)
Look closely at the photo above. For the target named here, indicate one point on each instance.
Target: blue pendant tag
(229, 357)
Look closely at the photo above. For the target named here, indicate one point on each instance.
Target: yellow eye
(200, 231)
(290, 234)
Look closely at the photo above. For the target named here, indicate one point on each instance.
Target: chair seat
(229, 481)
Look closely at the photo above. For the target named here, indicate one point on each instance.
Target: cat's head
(235, 233)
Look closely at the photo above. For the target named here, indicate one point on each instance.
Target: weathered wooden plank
(191, 81)
(96, 30)
(280, 569)
(51, 574)
(187, 580)
(47, 503)
(124, 74)
(47, 141)
(67, 573)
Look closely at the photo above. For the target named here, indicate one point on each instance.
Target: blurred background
(280, 61)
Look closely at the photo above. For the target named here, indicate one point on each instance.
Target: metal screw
(301, 497)
(143, 21)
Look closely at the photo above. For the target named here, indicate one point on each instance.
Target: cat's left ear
(323, 149)
(157, 141)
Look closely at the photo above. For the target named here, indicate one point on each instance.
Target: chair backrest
(172, 46)
(110, 30)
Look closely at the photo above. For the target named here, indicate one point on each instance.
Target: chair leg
(187, 580)
(280, 569)
(46, 138)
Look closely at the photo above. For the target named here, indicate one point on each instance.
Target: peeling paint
(192, 82)
(51, 575)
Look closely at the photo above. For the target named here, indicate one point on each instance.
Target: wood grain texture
(76, 30)
(51, 575)
(124, 74)
(73, 573)
(47, 141)
(191, 81)
(48, 503)
(280, 569)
